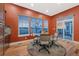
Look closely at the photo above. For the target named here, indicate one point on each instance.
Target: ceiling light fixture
(32, 5)
(47, 10)
(59, 3)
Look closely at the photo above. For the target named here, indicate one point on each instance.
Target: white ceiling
(48, 8)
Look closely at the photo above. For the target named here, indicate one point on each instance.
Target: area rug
(54, 51)
(67, 48)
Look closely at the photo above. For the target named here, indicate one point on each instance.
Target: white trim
(73, 28)
(76, 42)
(23, 35)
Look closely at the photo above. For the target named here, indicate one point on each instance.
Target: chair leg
(44, 49)
(41, 49)
(47, 50)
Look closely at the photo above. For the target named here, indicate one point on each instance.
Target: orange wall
(73, 11)
(12, 20)
(12, 12)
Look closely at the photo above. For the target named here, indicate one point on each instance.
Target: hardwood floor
(18, 49)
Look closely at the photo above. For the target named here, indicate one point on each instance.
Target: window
(23, 25)
(29, 25)
(36, 26)
(39, 26)
(46, 25)
(33, 25)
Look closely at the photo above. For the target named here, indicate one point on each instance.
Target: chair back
(44, 37)
(56, 36)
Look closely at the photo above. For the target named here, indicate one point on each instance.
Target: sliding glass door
(65, 28)
(60, 28)
(68, 30)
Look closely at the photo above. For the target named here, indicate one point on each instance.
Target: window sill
(23, 35)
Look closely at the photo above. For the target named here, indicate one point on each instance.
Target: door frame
(62, 19)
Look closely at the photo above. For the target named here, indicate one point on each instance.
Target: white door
(65, 28)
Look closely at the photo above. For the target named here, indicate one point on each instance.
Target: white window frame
(22, 35)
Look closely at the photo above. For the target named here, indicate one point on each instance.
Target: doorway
(65, 28)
